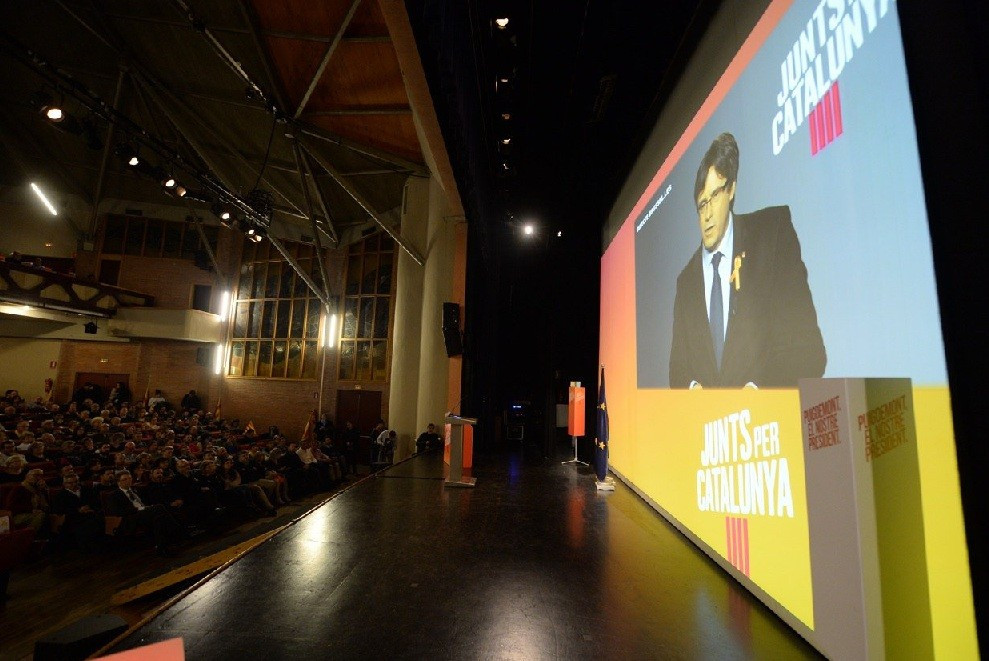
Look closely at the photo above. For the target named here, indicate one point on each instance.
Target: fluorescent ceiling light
(43, 198)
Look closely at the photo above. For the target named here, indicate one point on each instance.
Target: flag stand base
(607, 485)
(575, 460)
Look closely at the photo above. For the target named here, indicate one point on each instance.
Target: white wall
(25, 364)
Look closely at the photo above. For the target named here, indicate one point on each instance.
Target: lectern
(455, 425)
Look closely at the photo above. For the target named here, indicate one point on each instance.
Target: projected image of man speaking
(743, 314)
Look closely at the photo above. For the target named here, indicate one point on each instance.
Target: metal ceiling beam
(406, 166)
(279, 34)
(169, 112)
(330, 48)
(359, 198)
(360, 110)
(312, 217)
(306, 278)
(105, 158)
(306, 168)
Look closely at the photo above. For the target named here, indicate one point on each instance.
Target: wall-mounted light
(502, 23)
(329, 337)
(224, 305)
(218, 359)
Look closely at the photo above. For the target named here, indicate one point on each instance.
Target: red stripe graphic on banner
(828, 126)
(819, 119)
(814, 140)
(729, 541)
(745, 546)
(836, 105)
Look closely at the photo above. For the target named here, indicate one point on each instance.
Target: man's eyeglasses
(703, 204)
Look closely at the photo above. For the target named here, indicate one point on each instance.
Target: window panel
(261, 251)
(312, 320)
(281, 323)
(363, 359)
(371, 243)
(294, 365)
(387, 243)
(271, 283)
(172, 240)
(190, 242)
(244, 286)
(248, 253)
(353, 275)
(301, 288)
(310, 365)
(153, 238)
(254, 320)
(278, 360)
(384, 274)
(349, 328)
(264, 359)
(113, 235)
(268, 319)
(346, 360)
(237, 359)
(135, 236)
(379, 351)
(285, 287)
(298, 318)
(369, 281)
(381, 317)
(251, 365)
(366, 322)
(260, 272)
(240, 320)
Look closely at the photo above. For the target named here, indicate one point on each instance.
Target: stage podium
(455, 427)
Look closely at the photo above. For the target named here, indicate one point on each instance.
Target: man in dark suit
(79, 504)
(126, 503)
(743, 314)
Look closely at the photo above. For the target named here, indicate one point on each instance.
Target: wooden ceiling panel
(361, 74)
(368, 21)
(296, 62)
(395, 134)
(302, 16)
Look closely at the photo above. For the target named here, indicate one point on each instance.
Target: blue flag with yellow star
(601, 441)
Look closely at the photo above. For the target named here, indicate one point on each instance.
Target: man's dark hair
(722, 155)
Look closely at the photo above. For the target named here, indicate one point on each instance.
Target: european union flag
(601, 442)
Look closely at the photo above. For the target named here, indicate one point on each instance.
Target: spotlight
(169, 182)
(254, 235)
(502, 23)
(180, 190)
(224, 215)
(133, 160)
(506, 141)
(54, 113)
(559, 234)
(506, 116)
(528, 229)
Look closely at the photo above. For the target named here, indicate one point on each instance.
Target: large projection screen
(790, 144)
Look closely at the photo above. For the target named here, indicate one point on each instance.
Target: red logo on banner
(737, 531)
(825, 120)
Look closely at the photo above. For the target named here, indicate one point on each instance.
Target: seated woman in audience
(252, 494)
(28, 503)
(14, 470)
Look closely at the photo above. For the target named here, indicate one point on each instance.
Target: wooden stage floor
(531, 564)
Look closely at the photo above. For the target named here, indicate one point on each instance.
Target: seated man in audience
(14, 470)
(79, 504)
(6, 449)
(125, 502)
(429, 440)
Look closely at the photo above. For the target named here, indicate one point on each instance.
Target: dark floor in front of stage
(533, 563)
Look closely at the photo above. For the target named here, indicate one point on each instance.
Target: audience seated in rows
(75, 471)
